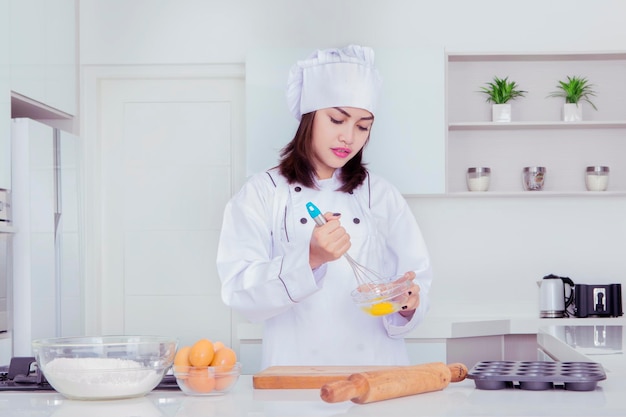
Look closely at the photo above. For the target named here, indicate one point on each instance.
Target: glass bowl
(104, 367)
(380, 298)
(206, 380)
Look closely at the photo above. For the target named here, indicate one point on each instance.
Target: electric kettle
(553, 301)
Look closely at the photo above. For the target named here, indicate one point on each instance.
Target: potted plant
(574, 90)
(500, 92)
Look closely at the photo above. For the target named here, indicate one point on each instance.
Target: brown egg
(182, 356)
(218, 345)
(201, 353)
(224, 359)
(201, 380)
(224, 382)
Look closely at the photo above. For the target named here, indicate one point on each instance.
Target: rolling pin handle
(458, 372)
(345, 390)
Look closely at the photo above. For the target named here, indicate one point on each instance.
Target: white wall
(488, 252)
(205, 31)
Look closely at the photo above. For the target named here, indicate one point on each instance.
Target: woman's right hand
(328, 241)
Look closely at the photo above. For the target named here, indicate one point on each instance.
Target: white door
(170, 154)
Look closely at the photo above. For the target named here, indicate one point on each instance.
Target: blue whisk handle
(315, 214)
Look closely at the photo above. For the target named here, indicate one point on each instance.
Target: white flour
(99, 378)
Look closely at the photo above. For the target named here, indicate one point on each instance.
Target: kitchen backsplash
(488, 253)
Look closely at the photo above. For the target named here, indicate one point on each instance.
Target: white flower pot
(572, 112)
(501, 112)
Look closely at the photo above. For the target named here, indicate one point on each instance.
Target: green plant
(574, 90)
(501, 90)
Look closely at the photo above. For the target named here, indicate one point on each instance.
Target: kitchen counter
(455, 327)
(436, 338)
(598, 343)
(458, 399)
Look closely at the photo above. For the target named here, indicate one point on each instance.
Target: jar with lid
(597, 178)
(478, 178)
(533, 178)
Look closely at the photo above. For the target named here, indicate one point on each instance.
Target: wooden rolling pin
(367, 387)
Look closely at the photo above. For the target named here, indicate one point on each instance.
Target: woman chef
(277, 267)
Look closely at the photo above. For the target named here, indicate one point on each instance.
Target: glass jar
(478, 178)
(532, 178)
(597, 178)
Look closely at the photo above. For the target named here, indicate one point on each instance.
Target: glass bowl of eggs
(206, 368)
(381, 297)
(207, 380)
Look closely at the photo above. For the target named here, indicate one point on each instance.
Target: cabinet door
(28, 48)
(47, 257)
(471, 350)
(5, 98)
(407, 145)
(34, 244)
(69, 255)
(5, 273)
(60, 70)
(426, 350)
(43, 51)
(170, 162)
(5, 141)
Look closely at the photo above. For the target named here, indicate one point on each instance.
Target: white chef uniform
(309, 317)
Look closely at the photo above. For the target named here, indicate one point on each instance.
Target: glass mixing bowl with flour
(104, 367)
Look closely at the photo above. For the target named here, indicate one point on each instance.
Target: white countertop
(598, 343)
(458, 399)
(454, 327)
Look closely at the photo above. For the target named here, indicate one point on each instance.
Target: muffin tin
(537, 375)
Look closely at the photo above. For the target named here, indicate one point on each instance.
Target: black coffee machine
(598, 300)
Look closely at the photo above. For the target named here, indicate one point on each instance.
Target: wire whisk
(365, 277)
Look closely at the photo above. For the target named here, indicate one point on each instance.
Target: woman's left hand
(412, 300)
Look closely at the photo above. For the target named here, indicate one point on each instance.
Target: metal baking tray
(537, 375)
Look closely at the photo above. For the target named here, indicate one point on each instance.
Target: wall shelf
(537, 125)
(523, 194)
(536, 56)
(536, 136)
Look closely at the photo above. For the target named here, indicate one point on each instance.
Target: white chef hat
(334, 78)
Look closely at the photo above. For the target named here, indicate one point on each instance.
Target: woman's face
(339, 133)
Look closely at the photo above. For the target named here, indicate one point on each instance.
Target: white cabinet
(43, 52)
(47, 296)
(536, 136)
(5, 99)
(506, 347)
(38, 67)
(161, 201)
(249, 337)
(426, 350)
(5, 280)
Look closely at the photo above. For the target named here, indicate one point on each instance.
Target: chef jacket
(309, 317)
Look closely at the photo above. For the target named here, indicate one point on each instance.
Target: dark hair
(296, 166)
